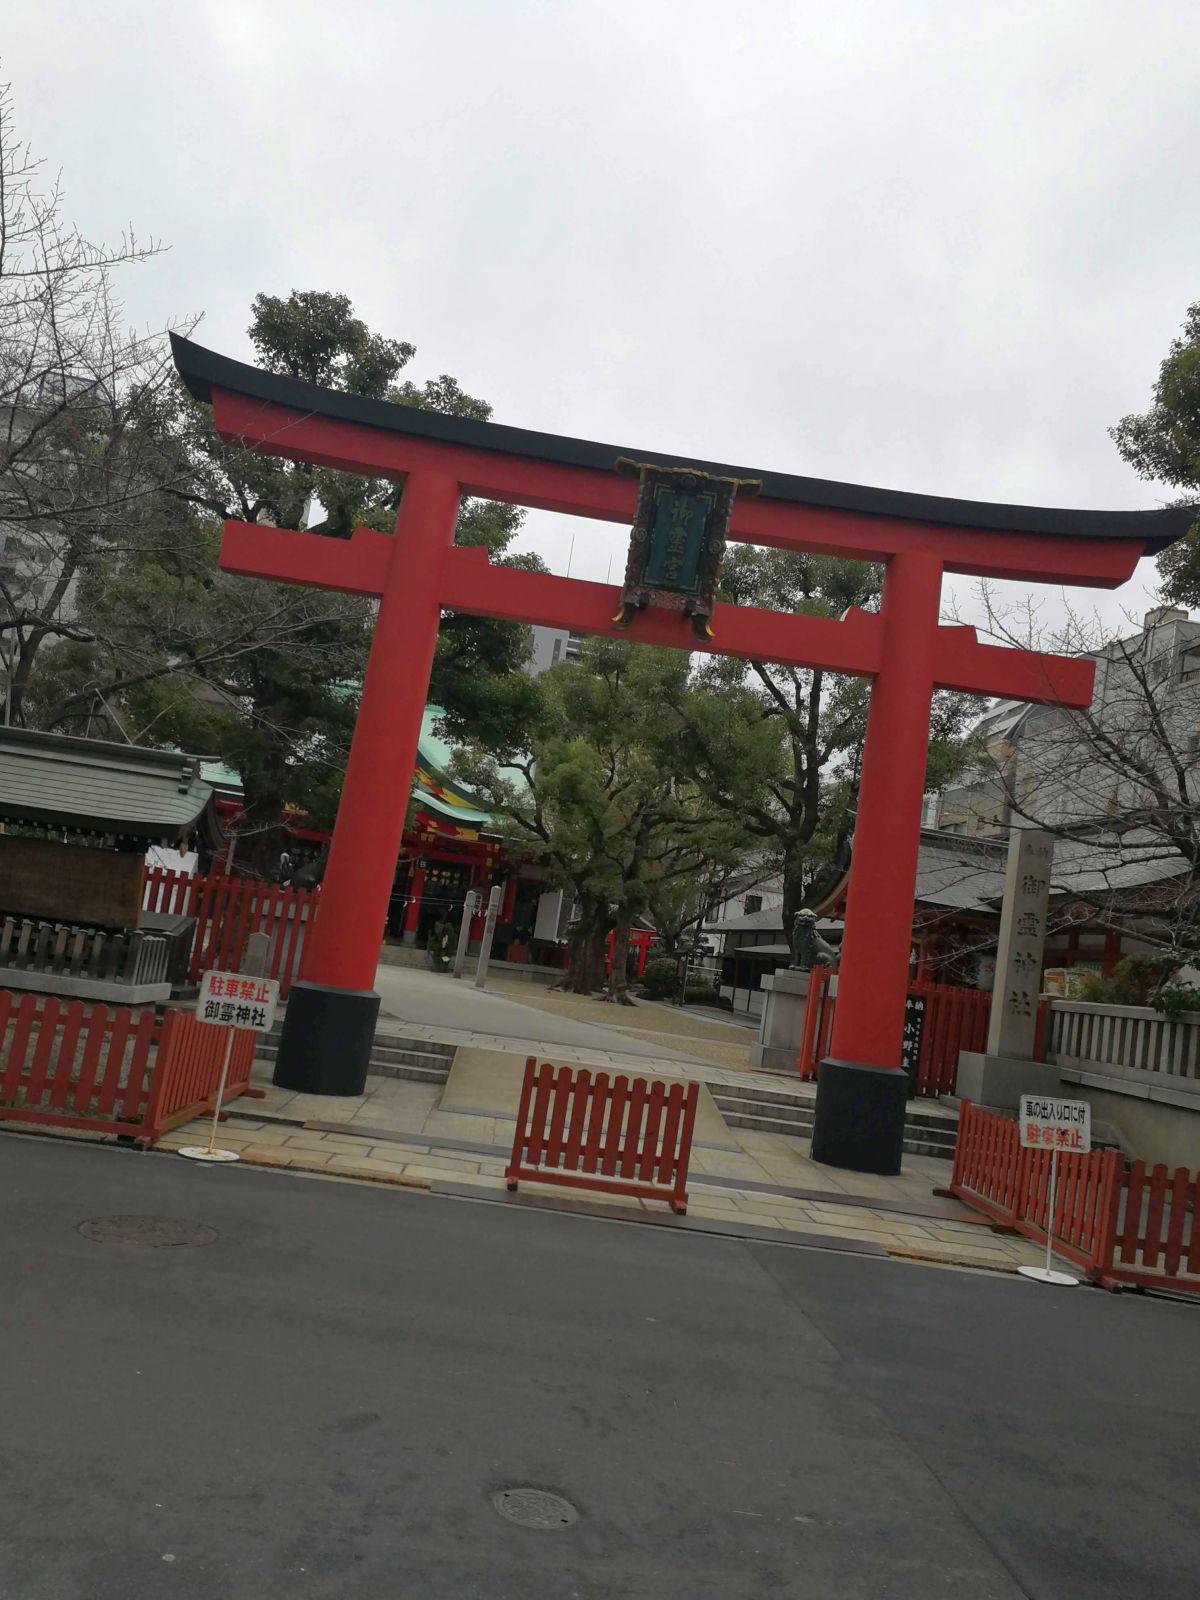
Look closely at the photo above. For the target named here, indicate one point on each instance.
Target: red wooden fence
(955, 1019)
(1114, 1219)
(228, 911)
(818, 1021)
(1155, 1236)
(74, 1066)
(171, 892)
(111, 1070)
(618, 1136)
(187, 1070)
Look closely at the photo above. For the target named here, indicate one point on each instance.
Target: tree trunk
(19, 682)
(618, 977)
(797, 893)
(793, 900)
(585, 965)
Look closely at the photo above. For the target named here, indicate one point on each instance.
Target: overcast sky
(929, 244)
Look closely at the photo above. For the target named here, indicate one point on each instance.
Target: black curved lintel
(203, 370)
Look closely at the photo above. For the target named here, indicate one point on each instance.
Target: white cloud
(935, 245)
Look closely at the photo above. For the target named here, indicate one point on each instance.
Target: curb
(359, 1174)
(903, 1253)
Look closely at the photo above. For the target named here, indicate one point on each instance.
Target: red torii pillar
(417, 572)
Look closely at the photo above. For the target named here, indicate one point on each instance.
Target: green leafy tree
(779, 748)
(1163, 445)
(593, 792)
(266, 676)
(679, 907)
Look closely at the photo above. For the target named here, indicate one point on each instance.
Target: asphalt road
(321, 1403)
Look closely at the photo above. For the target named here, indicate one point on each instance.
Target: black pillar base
(859, 1118)
(325, 1046)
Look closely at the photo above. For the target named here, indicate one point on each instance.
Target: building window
(752, 903)
(556, 652)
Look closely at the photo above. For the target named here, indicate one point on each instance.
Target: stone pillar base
(998, 1082)
(325, 1043)
(858, 1121)
(781, 1025)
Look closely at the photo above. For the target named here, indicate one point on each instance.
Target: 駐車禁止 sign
(237, 1000)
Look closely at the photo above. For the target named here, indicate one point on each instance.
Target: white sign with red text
(1050, 1124)
(237, 1000)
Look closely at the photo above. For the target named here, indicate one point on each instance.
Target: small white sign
(1050, 1124)
(237, 1000)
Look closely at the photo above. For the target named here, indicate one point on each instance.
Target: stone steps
(776, 1111)
(392, 1056)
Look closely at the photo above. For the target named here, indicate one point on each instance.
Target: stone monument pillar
(1007, 1070)
(781, 1026)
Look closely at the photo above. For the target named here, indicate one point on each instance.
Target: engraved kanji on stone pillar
(1022, 942)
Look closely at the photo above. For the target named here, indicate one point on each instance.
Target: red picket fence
(228, 911)
(1114, 1219)
(955, 1019)
(171, 892)
(187, 1070)
(1155, 1238)
(1011, 1185)
(620, 1137)
(111, 1070)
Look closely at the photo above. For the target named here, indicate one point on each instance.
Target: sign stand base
(1049, 1275)
(200, 1152)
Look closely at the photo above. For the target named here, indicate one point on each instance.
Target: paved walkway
(433, 1005)
(766, 1187)
(436, 1006)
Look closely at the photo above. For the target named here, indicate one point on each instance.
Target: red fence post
(1108, 1207)
(164, 1067)
(812, 1039)
(683, 1153)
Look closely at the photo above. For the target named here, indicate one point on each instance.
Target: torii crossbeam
(416, 572)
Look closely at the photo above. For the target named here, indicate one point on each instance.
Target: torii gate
(416, 572)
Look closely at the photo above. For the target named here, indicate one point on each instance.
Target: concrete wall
(1148, 1129)
(1139, 1070)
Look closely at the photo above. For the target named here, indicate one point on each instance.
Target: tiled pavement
(767, 1188)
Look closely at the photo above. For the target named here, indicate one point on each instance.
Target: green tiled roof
(434, 755)
(98, 787)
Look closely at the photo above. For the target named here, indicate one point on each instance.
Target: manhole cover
(535, 1508)
(156, 1233)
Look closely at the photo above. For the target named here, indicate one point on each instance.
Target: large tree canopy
(266, 676)
(1163, 445)
(592, 789)
(779, 748)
